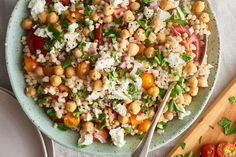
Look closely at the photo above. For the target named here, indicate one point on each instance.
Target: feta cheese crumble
(117, 136)
(36, 6)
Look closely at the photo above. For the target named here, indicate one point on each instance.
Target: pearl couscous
(101, 67)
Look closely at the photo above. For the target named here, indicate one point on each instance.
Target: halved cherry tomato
(226, 150)
(62, 88)
(145, 125)
(98, 34)
(101, 135)
(208, 150)
(65, 2)
(35, 43)
(112, 115)
(30, 64)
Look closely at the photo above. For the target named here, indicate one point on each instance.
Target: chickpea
(153, 91)
(144, 127)
(55, 80)
(190, 69)
(85, 31)
(156, 22)
(169, 115)
(69, 72)
(57, 26)
(30, 91)
(133, 49)
(204, 17)
(27, 24)
(128, 16)
(96, 2)
(134, 6)
(134, 107)
(151, 112)
(161, 37)
(71, 121)
(107, 19)
(149, 52)
(147, 80)
(42, 17)
(123, 44)
(140, 35)
(108, 10)
(192, 82)
(77, 53)
(152, 38)
(202, 82)
(97, 85)
(52, 18)
(141, 49)
(124, 34)
(187, 99)
(193, 91)
(58, 70)
(180, 99)
(166, 5)
(127, 101)
(123, 119)
(39, 71)
(198, 6)
(95, 75)
(71, 106)
(82, 70)
(88, 127)
(94, 16)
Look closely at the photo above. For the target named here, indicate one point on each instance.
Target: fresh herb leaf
(114, 74)
(121, 72)
(57, 36)
(128, 130)
(102, 117)
(142, 23)
(82, 146)
(162, 92)
(118, 21)
(148, 101)
(87, 10)
(185, 57)
(141, 136)
(185, 9)
(180, 155)
(171, 106)
(111, 34)
(62, 126)
(177, 90)
(159, 58)
(190, 154)
(212, 127)
(64, 22)
(182, 145)
(133, 91)
(91, 36)
(177, 21)
(42, 101)
(228, 126)
(164, 125)
(93, 58)
(200, 140)
(67, 61)
(76, 112)
(148, 31)
(82, 93)
(139, 72)
(147, 1)
(232, 100)
(50, 112)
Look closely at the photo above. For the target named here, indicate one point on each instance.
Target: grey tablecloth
(226, 17)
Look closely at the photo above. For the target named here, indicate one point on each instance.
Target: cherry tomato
(145, 125)
(135, 121)
(147, 80)
(208, 150)
(35, 43)
(30, 64)
(98, 34)
(62, 88)
(65, 2)
(226, 150)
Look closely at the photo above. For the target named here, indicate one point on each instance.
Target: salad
(101, 67)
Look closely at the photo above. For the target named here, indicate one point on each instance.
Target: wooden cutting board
(202, 132)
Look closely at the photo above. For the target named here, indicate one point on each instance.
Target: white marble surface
(226, 17)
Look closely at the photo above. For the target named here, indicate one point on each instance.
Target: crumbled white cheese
(85, 139)
(148, 12)
(97, 111)
(164, 15)
(117, 136)
(36, 6)
(133, 26)
(116, 2)
(43, 32)
(95, 95)
(60, 8)
(73, 27)
(121, 109)
(174, 60)
(70, 39)
(104, 63)
(88, 117)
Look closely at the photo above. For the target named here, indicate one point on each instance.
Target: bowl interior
(69, 138)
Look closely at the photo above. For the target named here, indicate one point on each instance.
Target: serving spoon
(143, 147)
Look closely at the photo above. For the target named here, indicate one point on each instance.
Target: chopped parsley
(82, 146)
(176, 91)
(128, 130)
(185, 57)
(91, 36)
(164, 125)
(142, 23)
(232, 99)
(148, 101)
(190, 154)
(139, 72)
(177, 21)
(76, 112)
(228, 126)
(111, 33)
(67, 61)
(114, 74)
(82, 94)
(159, 58)
(64, 22)
(50, 112)
(133, 91)
(182, 145)
(147, 1)
(87, 10)
(162, 92)
(62, 126)
(118, 21)
(141, 136)
(102, 117)
(42, 101)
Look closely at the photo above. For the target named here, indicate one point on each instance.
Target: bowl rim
(187, 125)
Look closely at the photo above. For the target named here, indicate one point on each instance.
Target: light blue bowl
(69, 138)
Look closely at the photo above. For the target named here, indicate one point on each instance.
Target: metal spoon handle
(142, 149)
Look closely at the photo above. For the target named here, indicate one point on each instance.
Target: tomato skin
(65, 2)
(225, 150)
(35, 43)
(98, 34)
(208, 150)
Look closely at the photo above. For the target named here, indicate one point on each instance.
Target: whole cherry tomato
(226, 150)
(208, 150)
